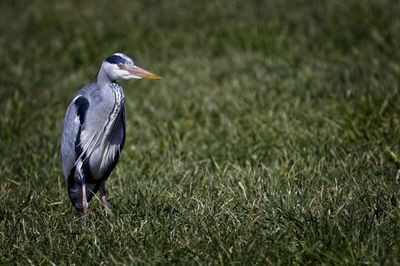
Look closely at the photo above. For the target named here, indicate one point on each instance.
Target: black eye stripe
(116, 59)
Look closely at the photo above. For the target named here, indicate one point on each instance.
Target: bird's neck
(103, 78)
(117, 109)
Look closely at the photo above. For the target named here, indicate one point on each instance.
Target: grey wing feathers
(73, 121)
(69, 136)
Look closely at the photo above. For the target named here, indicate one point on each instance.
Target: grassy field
(273, 137)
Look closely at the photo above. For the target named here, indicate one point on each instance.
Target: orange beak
(140, 72)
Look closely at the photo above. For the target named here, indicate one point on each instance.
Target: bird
(93, 132)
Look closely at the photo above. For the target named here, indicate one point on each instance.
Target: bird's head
(120, 66)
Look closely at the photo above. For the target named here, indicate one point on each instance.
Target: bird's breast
(105, 126)
(106, 154)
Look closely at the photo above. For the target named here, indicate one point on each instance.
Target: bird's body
(93, 133)
(94, 152)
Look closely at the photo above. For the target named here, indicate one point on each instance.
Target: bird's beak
(140, 72)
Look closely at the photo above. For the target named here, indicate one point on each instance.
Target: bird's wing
(70, 134)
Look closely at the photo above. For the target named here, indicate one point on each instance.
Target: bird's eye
(120, 66)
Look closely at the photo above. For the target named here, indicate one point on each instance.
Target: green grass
(273, 137)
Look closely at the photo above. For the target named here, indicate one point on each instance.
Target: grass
(272, 139)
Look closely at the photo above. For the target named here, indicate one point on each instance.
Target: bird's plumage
(93, 133)
(93, 137)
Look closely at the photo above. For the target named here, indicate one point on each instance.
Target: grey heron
(93, 133)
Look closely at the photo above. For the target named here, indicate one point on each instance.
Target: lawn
(273, 137)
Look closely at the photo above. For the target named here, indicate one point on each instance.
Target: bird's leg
(103, 196)
(85, 205)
